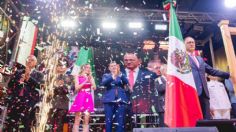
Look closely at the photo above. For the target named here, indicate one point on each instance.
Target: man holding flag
(199, 68)
(182, 106)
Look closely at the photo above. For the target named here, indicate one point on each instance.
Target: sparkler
(51, 61)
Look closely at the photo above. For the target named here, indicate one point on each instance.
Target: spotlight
(109, 25)
(135, 25)
(230, 3)
(161, 27)
(68, 23)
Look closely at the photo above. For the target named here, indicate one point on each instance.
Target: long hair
(82, 68)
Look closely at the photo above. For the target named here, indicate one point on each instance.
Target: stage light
(135, 25)
(164, 17)
(68, 23)
(109, 25)
(162, 27)
(230, 3)
(163, 42)
(164, 45)
(148, 44)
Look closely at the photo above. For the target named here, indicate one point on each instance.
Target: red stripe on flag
(34, 40)
(182, 107)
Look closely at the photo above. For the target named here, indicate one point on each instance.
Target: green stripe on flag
(174, 25)
(85, 56)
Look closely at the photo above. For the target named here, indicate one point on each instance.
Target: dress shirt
(136, 70)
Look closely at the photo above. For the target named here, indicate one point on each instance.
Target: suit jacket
(143, 95)
(60, 98)
(37, 76)
(160, 85)
(199, 74)
(115, 89)
(30, 88)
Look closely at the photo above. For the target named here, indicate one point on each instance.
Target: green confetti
(21, 126)
(153, 109)
(99, 94)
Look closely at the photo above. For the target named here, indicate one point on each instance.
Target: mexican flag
(182, 107)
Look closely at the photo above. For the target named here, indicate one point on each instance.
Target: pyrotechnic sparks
(51, 61)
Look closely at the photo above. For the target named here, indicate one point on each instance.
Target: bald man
(23, 95)
(199, 68)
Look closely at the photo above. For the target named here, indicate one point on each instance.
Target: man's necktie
(22, 91)
(195, 60)
(131, 78)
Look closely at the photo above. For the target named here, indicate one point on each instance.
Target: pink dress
(83, 101)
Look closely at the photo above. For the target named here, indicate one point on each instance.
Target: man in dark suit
(23, 95)
(160, 85)
(115, 98)
(199, 68)
(141, 82)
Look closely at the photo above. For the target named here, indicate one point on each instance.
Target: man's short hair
(135, 53)
(188, 37)
(112, 62)
(31, 56)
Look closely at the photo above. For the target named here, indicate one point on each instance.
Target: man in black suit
(199, 68)
(22, 96)
(141, 81)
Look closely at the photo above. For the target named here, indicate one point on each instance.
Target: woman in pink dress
(83, 102)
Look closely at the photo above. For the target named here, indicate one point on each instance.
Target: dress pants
(117, 110)
(161, 119)
(205, 106)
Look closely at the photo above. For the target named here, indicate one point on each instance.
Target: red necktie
(131, 78)
(22, 91)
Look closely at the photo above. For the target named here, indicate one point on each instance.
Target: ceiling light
(135, 25)
(109, 25)
(148, 44)
(230, 3)
(161, 27)
(68, 23)
(163, 45)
